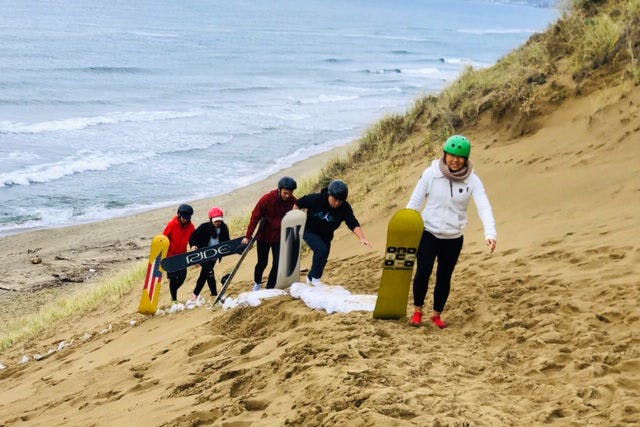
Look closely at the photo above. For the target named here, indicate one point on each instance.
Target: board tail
(403, 237)
(290, 240)
(153, 278)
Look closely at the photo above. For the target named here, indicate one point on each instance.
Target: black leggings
(176, 279)
(447, 252)
(206, 275)
(263, 259)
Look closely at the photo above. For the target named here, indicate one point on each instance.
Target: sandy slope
(544, 331)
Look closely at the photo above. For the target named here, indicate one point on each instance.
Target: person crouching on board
(209, 233)
(325, 212)
(447, 186)
(179, 231)
(272, 207)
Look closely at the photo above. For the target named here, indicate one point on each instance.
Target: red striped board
(153, 278)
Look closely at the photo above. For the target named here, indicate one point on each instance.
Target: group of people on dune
(442, 194)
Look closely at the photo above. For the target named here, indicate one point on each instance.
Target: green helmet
(458, 145)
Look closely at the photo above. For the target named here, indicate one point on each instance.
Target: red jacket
(272, 208)
(178, 235)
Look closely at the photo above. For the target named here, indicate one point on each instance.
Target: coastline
(40, 265)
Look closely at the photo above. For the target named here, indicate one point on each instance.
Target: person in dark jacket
(179, 231)
(325, 212)
(272, 207)
(208, 233)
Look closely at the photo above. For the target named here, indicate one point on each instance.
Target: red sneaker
(438, 321)
(416, 320)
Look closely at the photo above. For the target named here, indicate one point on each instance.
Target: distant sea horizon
(112, 109)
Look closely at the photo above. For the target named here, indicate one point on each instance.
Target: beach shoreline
(38, 266)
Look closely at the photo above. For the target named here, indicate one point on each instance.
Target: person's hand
(366, 242)
(491, 244)
(245, 241)
(193, 248)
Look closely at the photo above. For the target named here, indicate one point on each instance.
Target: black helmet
(338, 189)
(185, 211)
(288, 183)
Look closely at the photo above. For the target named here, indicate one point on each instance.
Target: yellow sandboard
(403, 237)
(151, 290)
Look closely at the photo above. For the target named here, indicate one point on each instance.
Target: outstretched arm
(486, 215)
(358, 232)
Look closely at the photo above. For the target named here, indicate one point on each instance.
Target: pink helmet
(216, 214)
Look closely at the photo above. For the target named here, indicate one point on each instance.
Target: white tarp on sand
(332, 299)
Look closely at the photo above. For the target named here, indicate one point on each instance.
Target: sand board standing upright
(403, 237)
(151, 290)
(291, 233)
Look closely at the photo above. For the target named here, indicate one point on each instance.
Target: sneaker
(438, 321)
(416, 320)
(176, 307)
(192, 302)
(314, 282)
(257, 286)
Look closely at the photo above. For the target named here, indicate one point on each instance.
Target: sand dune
(544, 331)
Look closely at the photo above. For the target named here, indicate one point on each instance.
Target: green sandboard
(403, 237)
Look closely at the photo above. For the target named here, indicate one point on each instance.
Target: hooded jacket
(445, 212)
(200, 238)
(272, 208)
(322, 219)
(178, 235)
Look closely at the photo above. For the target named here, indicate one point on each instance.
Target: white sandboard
(291, 233)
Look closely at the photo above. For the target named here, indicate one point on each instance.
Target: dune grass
(111, 290)
(591, 39)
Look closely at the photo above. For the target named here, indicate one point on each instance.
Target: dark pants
(206, 275)
(447, 252)
(263, 259)
(176, 279)
(321, 249)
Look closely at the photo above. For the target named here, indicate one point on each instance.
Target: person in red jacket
(179, 231)
(272, 207)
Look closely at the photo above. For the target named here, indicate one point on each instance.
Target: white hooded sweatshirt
(445, 213)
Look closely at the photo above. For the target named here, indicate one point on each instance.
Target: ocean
(112, 108)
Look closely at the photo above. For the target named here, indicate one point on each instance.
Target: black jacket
(205, 231)
(322, 219)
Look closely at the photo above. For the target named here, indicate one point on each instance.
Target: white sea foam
(47, 172)
(152, 34)
(327, 98)
(488, 31)
(465, 61)
(50, 217)
(427, 71)
(387, 37)
(99, 161)
(23, 156)
(78, 123)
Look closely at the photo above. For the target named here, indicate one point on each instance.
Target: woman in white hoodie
(447, 185)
